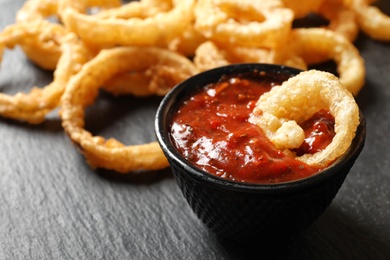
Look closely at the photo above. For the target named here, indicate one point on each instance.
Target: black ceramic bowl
(242, 210)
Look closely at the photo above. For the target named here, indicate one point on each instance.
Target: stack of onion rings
(71, 37)
(217, 21)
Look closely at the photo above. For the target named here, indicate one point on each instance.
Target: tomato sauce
(212, 131)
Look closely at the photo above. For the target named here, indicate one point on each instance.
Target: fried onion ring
(371, 19)
(42, 48)
(85, 6)
(245, 23)
(33, 106)
(37, 10)
(341, 19)
(156, 29)
(45, 50)
(209, 55)
(279, 112)
(155, 80)
(303, 8)
(140, 9)
(316, 45)
(82, 90)
(187, 42)
(131, 83)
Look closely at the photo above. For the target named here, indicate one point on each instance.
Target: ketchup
(212, 131)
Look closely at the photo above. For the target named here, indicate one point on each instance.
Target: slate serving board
(54, 206)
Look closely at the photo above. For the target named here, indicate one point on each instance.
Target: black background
(54, 206)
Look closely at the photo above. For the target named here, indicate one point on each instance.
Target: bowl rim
(183, 90)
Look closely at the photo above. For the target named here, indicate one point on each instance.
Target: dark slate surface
(53, 206)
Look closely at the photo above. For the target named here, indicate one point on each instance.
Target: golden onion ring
(86, 6)
(42, 48)
(341, 19)
(371, 19)
(82, 90)
(32, 107)
(157, 29)
(187, 43)
(140, 9)
(211, 55)
(132, 83)
(316, 45)
(303, 8)
(245, 23)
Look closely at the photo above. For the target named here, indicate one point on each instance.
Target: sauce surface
(212, 131)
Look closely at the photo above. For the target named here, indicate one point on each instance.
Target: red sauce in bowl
(212, 131)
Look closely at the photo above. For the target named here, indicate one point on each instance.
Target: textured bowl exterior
(244, 214)
(241, 211)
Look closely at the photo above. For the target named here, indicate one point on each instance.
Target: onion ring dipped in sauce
(83, 88)
(240, 127)
(280, 111)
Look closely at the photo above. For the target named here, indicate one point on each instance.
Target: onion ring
(33, 106)
(36, 10)
(210, 55)
(156, 80)
(84, 6)
(187, 42)
(136, 84)
(115, 31)
(82, 89)
(341, 19)
(44, 48)
(140, 9)
(317, 45)
(279, 112)
(371, 19)
(303, 8)
(245, 23)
